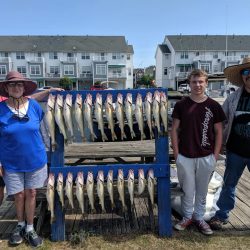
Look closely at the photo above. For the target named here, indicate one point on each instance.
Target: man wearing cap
(236, 139)
(23, 155)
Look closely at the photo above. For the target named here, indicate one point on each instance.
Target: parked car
(184, 88)
(97, 87)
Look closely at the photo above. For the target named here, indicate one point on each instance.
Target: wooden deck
(141, 218)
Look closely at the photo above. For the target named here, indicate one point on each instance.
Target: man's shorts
(17, 182)
(2, 184)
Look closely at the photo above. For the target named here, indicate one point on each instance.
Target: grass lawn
(189, 239)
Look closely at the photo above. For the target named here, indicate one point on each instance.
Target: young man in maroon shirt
(196, 140)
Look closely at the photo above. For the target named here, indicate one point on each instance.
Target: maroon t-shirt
(196, 135)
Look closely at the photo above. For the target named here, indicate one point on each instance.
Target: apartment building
(178, 55)
(84, 59)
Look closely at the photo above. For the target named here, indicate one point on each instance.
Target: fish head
(157, 96)
(100, 176)
(98, 99)
(163, 97)
(59, 100)
(88, 99)
(129, 98)
(51, 101)
(131, 174)
(120, 99)
(70, 177)
(51, 180)
(60, 177)
(80, 178)
(141, 173)
(149, 97)
(151, 173)
(110, 175)
(90, 177)
(109, 99)
(139, 99)
(120, 173)
(79, 99)
(68, 100)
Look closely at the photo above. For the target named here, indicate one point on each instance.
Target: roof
(164, 48)
(65, 44)
(210, 42)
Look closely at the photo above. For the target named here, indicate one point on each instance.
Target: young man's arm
(39, 96)
(175, 137)
(218, 128)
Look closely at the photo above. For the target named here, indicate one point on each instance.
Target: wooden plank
(92, 150)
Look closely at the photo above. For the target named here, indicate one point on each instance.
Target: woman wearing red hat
(23, 155)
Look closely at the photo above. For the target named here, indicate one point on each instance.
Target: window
(101, 69)
(54, 70)
(205, 67)
(86, 71)
(3, 70)
(184, 55)
(20, 55)
(4, 54)
(116, 72)
(69, 70)
(215, 55)
(243, 56)
(165, 71)
(129, 71)
(22, 70)
(101, 56)
(116, 56)
(38, 54)
(53, 55)
(35, 70)
(197, 53)
(128, 56)
(85, 56)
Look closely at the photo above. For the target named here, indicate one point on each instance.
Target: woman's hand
(1, 170)
(55, 89)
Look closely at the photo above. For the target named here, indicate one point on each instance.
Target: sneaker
(203, 227)
(16, 237)
(183, 224)
(216, 223)
(33, 239)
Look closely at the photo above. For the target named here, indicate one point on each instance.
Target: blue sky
(144, 23)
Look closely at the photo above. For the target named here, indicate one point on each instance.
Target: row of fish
(89, 187)
(60, 111)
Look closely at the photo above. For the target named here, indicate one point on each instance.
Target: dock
(140, 218)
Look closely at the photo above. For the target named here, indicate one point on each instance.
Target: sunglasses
(25, 118)
(14, 84)
(245, 72)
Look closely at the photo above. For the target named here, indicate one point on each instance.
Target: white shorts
(18, 181)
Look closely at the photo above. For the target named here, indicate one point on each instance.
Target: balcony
(35, 60)
(182, 74)
(100, 58)
(51, 75)
(203, 58)
(68, 60)
(117, 75)
(4, 59)
(86, 75)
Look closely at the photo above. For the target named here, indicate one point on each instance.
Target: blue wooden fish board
(161, 168)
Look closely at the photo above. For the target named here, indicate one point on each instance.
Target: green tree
(66, 83)
(146, 80)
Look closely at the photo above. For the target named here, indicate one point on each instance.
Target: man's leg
(1, 195)
(205, 167)
(235, 165)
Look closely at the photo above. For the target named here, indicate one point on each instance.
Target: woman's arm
(39, 96)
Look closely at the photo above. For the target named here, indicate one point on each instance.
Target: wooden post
(163, 187)
(57, 160)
